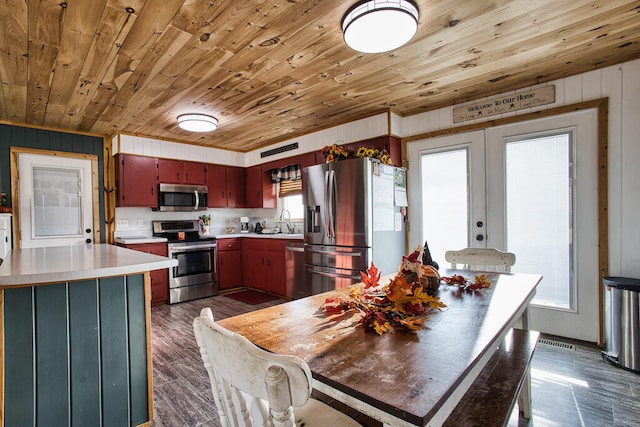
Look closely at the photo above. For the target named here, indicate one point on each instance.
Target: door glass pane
(445, 202)
(56, 202)
(538, 211)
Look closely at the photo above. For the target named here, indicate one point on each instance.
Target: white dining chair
(252, 387)
(481, 259)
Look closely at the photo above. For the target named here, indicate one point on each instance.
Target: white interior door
(539, 182)
(56, 201)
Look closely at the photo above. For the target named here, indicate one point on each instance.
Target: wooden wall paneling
(51, 340)
(137, 335)
(19, 365)
(84, 326)
(114, 351)
(109, 193)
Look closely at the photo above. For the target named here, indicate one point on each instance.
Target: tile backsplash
(138, 221)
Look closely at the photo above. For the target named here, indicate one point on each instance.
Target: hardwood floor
(569, 387)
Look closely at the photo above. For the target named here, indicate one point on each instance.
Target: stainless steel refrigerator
(353, 215)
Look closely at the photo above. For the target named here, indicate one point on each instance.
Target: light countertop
(131, 240)
(72, 263)
(261, 236)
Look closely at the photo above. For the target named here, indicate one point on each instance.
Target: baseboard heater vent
(279, 150)
(558, 344)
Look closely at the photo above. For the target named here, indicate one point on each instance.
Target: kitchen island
(75, 332)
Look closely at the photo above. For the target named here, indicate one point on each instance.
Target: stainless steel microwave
(186, 198)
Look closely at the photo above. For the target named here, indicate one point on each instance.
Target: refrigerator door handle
(326, 203)
(330, 252)
(322, 273)
(333, 194)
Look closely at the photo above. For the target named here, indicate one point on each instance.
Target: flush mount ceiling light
(376, 26)
(197, 122)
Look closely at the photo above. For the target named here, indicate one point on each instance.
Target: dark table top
(409, 375)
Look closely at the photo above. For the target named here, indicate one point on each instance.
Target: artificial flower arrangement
(401, 302)
(335, 152)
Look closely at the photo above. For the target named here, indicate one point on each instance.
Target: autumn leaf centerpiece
(402, 302)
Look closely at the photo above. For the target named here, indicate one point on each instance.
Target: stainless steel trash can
(622, 322)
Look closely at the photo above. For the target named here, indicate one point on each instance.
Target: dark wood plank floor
(569, 387)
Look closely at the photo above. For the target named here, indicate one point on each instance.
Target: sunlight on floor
(539, 375)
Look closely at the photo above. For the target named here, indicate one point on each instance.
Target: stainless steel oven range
(196, 275)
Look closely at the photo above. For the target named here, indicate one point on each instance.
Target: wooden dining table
(401, 378)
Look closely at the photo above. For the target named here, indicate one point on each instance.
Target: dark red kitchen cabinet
(260, 191)
(275, 267)
(136, 185)
(235, 187)
(230, 263)
(172, 171)
(253, 187)
(159, 278)
(217, 186)
(195, 173)
(254, 263)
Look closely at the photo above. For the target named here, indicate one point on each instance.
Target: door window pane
(445, 201)
(538, 211)
(56, 202)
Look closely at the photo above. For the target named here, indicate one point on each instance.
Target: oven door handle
(191, 248)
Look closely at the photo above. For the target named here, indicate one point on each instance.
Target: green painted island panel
(19, 380)
(115, 351)
(84, 332)
(137, 350)
(52, 361)
(75, 353)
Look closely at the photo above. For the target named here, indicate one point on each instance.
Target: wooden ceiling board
(271, 70)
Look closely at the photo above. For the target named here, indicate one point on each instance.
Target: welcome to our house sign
(505, 104)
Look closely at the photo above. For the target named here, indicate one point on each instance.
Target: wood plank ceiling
(270, 70)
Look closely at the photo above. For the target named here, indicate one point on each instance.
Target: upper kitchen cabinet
(260, 191)
(235, 187)
(226, 186)
(217, 186)
(136, 184)
(180, 172)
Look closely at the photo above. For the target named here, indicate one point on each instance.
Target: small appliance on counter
(196, 275)
(244, 224)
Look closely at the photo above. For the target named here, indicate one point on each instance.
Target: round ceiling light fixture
(197, 122)
(376, 26)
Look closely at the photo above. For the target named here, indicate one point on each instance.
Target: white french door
(447, 180)
(539, 200)
(56, 200)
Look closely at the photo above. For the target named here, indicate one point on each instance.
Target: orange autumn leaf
(371, 278)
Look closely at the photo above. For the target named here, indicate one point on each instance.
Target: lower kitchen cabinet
(264, 265)
(275, 280)
(159, 278)
(229, 263)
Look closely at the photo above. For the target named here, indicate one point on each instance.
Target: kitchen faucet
(291, 228)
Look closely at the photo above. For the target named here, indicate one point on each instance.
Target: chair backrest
(481, 259)
(249, 383)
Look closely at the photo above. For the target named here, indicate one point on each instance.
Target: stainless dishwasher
(297, 286)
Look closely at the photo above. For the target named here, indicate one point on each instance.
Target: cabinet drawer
(150, 248)
(229, 244)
